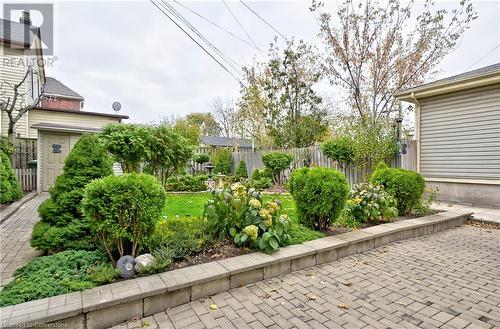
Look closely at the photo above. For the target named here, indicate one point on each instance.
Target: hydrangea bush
(242, 215)
(369, 203)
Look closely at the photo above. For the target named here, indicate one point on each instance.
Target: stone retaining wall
(112, 304)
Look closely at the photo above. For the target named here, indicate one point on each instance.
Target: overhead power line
(164, 12)
(479, 60)
(232, 63)
(241, 25)
(262, 19)
(215, 24)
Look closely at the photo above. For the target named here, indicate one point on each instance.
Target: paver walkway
(487, 214)
(15, 233)
(449, 279)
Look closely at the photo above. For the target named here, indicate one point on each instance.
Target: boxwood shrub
(187, 183)
(320, 194)
(123, 211)
(405, 185)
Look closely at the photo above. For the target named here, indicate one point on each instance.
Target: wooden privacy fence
(25, 150)
(27, 178)
(312, 155)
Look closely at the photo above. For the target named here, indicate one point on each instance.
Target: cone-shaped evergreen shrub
(63, 225)
(241, 171)
(10, 189)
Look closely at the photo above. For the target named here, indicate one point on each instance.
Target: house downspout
(417, 128)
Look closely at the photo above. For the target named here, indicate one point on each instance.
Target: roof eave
(78, 98)
(412, 94)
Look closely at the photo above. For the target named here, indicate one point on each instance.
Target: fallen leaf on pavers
(310, 274)
(311, 297)
(266, 296)
(213, 307)
(274, 290)
(145, 324)
(366, 263)
(347, 284)
(343, 306)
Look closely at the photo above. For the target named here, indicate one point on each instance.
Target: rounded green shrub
(241, 171)
(62, 224)
(320, 194)
(123, 211)
(405, 185)
(187, 183)
(277, 162)
(201, 158)
(339, 149)
(127, 143)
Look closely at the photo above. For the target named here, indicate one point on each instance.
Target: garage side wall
(460, 145)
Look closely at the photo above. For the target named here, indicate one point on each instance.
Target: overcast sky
(131, 53)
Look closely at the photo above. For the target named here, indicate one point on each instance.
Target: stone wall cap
(246, 262)
(192, 275)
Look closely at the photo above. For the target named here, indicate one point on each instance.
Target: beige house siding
(13, 66)
(12, 70)
(68, 119)
(459, 136)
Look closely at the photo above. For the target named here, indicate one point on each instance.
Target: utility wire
(194, 40)
(262, 19)
(215, 24)
(241, 25)
(236, 66)
(492, 50)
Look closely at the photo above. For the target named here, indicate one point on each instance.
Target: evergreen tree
(63, 225)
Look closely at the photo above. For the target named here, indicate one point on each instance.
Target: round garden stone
(126, 266)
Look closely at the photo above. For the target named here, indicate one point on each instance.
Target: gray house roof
(226, 141)
(14, 32)
(481, 72)
(54, 87)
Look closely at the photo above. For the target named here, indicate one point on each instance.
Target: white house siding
(12, 70)
(460, 136)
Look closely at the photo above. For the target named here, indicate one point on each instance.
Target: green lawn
(191, 205)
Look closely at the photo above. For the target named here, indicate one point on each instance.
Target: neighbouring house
(58, 121)
(457, 122)
(234, 142)
(56, 95)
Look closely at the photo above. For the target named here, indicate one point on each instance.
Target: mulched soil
(226, 248)
(220, 250)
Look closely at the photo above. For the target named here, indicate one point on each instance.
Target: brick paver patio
(15, 233)
(446, 280)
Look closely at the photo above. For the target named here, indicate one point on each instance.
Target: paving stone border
(115, 303)
(13, 207)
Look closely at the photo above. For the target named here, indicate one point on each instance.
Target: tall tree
(206, 121)
(224, 114)
(374, 50)
(281, 90)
